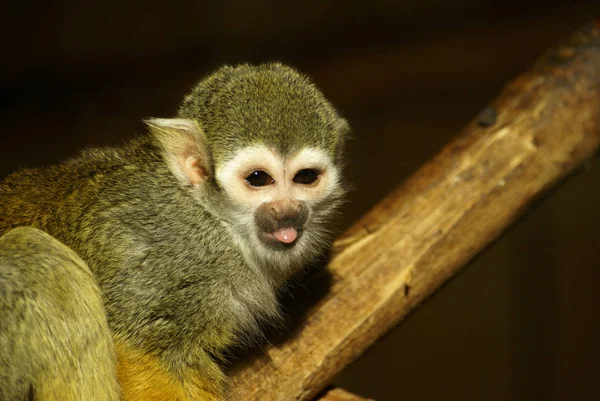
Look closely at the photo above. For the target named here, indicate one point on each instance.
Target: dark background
(520, 323)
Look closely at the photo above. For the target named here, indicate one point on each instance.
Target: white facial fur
(231, 176)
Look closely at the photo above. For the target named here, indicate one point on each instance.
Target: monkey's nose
(286, 235)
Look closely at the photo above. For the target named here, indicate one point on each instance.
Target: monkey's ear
(183, 146)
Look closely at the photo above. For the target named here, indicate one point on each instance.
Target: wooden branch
(542, 126)
(338, 394)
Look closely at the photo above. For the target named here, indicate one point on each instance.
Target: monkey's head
(260, 146)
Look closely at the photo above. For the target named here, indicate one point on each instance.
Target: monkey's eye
(306, 176)
(259, 178)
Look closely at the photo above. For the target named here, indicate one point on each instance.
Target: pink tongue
(286, 235)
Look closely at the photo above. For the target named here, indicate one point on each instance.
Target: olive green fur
(51, 318)
(270, 104)
(173, 279)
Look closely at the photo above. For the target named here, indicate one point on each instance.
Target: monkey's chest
(203, 309)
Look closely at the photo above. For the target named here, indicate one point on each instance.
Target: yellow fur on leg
(144, 378)
(206, 383)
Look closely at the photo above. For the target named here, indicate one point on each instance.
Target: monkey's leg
(205, 380)
(55, 344)
(144, 377)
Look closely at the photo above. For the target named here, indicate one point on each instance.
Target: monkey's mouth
(282, 238)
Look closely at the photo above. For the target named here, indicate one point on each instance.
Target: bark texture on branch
(541, 127)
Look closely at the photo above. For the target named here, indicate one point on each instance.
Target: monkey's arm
(55, 343)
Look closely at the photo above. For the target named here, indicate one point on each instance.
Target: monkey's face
(282, 203)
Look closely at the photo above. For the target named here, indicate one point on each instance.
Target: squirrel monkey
(134, 268)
